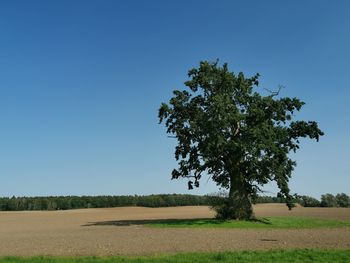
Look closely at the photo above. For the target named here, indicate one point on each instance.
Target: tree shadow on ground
(173, 222)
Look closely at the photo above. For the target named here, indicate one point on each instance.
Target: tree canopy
(236, 135)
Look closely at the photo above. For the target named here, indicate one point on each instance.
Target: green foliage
(219, 203)
(268, 199)
(239, 137)
(295, 255)
(162, 200)
(328, 200)
(307, 201)
(343, 200)
(340, 200)
(74, 202)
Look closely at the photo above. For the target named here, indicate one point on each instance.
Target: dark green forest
(161, 200)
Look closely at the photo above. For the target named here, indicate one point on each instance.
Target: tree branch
(274, 93)
(237, 130)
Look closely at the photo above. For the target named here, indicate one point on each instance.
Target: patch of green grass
(281, 256)
(264, 223)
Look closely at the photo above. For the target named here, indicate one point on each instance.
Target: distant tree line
(327, 200)
(162, 200)
(103, 201)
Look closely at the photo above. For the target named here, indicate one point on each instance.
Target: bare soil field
(94, 232)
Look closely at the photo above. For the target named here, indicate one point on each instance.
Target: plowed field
(94, 232)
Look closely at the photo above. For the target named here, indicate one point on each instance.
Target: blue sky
(81, 83)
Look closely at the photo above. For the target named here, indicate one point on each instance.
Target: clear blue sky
(81, 83)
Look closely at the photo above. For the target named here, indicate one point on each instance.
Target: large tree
(239, 137)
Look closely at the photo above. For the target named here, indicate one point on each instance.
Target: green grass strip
(262, 223)
(299, 255)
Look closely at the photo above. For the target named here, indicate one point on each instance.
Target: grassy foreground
(299, 255)
(269, 223)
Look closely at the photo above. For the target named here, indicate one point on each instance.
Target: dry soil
(103, 232)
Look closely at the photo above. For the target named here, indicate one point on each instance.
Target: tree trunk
(239, 202)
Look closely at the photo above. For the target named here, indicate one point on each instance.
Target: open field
(119, 231)
(281, 256)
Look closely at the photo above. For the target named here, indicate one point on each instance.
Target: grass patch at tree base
(298, 255)
(261, 223)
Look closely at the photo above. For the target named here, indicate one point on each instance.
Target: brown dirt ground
(74, 232)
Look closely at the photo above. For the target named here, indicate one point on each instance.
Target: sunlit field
(139, 231)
